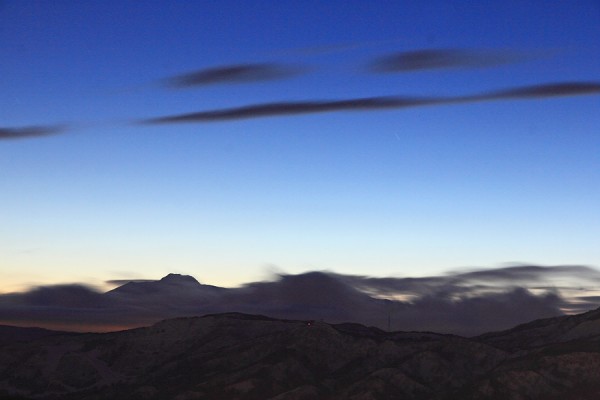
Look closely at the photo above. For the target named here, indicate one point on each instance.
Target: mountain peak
(178, 278)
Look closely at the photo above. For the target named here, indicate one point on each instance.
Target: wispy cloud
(237, 73)
(294, 108)
(543, 91)
(478, 281)
(30, 131)
(419, 60)
(375, 103)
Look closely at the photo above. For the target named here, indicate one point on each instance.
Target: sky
(232, 139)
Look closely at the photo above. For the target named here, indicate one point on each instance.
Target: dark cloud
(591, 299)
(30, 131)
(531, 273)
(374, 103)
(70, 307)
(543, 91)
(239, 73)
(472, 283)
(292, 108)
(78, 307)
(472, 315)
(65, 296)
(313, 295)
(465, 303)
(418, 60)
(319, 295)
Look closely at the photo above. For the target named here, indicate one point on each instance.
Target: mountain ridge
(242, 356)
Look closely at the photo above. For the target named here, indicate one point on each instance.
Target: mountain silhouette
(242, 356)
(172, 290)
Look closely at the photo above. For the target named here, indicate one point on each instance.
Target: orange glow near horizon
(74, 327)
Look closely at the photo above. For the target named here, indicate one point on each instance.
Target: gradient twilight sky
(397, 192)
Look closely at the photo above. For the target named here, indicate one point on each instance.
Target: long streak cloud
(294, 108)
(30, 131)
(376, 103)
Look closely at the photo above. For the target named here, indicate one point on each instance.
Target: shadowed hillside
(240, 356)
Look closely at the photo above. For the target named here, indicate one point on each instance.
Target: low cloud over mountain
(466, 303)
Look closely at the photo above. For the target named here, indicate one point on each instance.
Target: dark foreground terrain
(237, 356)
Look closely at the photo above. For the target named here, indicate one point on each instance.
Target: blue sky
(401, 192)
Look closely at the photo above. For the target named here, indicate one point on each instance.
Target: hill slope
(239, 356)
